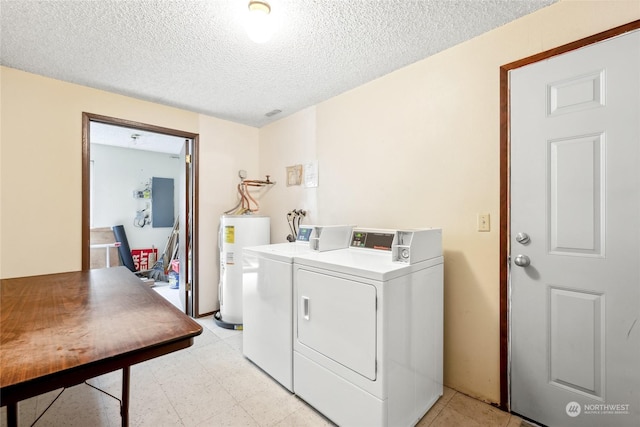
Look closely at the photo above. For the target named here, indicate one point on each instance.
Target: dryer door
(336, 317)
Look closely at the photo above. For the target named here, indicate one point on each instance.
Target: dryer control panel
(411, 246)
(380, 240)
(405, 246)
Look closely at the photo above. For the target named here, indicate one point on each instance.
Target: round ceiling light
(259, 24)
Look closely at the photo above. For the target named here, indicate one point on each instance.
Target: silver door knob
(522, 260)
(523, 238)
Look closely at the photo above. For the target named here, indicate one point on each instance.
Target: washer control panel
(304, 233)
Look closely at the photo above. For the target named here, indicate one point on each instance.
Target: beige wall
(225, 148)
(41, 170)
(288, 142)
(420, 147)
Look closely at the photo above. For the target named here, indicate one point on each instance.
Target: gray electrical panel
(162, 206)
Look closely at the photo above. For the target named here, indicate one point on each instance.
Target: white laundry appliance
(368, 328)
(236, 232)
(267, 339)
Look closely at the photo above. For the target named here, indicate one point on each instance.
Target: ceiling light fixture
(259, 23)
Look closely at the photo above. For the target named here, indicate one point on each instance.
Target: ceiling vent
(273, 113)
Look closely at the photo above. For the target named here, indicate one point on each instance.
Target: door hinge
(187, 158)
(188, 286)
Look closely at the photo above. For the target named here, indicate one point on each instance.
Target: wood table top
(69, 321)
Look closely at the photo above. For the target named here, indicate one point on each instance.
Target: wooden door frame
(505, 173)
(87, 118)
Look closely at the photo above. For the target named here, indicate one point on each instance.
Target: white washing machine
(267, 339)
(368, 328)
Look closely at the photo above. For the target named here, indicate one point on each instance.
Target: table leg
(124, 410)
(12, 415)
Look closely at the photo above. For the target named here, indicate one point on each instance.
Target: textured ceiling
(196, 55)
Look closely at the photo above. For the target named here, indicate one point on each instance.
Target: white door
(575, 192)
(186, 283)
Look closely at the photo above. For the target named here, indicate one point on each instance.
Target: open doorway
(176, 153)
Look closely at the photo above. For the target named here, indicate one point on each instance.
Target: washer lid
(284, 252)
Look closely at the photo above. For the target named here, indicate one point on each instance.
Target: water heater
(237, 232)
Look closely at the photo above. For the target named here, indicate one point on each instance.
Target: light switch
(484, 223)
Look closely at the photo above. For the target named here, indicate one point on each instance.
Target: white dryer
(267, 338)
(368, 328)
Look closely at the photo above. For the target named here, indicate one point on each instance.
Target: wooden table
(59, 330)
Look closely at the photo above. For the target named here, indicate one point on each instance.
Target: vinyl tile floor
(212, 384)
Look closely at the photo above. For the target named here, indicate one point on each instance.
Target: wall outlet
(484, 223)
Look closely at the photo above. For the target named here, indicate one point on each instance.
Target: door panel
(576, 354)
(576, 93)
(575, 190)
(575, 195)
(337, 318)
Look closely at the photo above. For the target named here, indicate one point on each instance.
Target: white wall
(116, 173)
